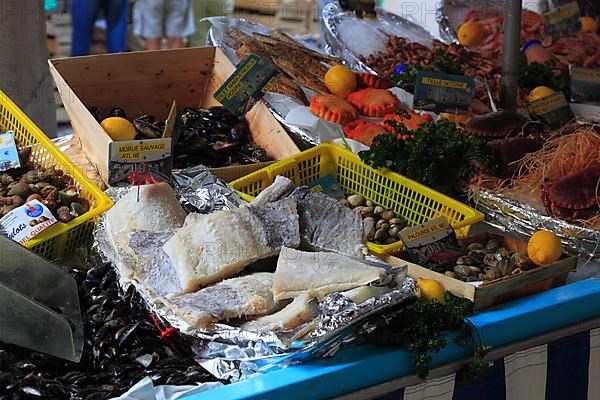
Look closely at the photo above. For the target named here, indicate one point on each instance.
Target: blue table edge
(363, 366)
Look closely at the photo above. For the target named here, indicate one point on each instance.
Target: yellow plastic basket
(415, 202)
(61, 239)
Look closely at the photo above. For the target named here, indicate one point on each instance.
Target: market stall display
(364, 239)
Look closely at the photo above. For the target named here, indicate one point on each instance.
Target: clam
(356, 200)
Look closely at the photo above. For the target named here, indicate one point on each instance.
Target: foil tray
(518, 218)
(229, 352)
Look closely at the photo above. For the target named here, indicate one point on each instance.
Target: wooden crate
(501, 290)
(147, 83)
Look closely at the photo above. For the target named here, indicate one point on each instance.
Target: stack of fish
(197, 265)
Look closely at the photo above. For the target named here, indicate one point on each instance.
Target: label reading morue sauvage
(252, 79)
(443, 92)
(24, 223)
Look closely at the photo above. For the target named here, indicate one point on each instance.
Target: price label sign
(254, 77)
(585, 85)
(443, 92)
(553, 110)
(562, 20)
(9, 157)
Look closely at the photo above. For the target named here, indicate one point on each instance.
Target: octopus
(574, 196)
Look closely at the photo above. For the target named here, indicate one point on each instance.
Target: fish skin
(326, 225)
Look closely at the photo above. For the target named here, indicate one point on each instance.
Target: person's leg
(83, 17)
(117, 15)
(149, 22)
(176, 43)
(179, 22)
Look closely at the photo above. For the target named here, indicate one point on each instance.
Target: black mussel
(95, 111)
(238, 132)
(147, 127)
(260, 155)
(117, 112)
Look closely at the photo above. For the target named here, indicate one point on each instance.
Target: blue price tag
(442, 92)
(254, 77)
(9, 157)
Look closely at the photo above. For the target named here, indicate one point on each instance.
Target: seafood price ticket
(254, 77)
(552, 110)
(27, 221)
(443, 92)
(585, 85)
(9, 157)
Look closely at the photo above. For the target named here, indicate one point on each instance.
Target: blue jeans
(84, 14)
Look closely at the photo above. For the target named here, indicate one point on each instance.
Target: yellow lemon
(471, 34)
(544, 247)
(588, 24)
(431, 289)
(118, 128)
(340, 80)
(539, 93)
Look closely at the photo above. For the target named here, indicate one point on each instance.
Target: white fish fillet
(221, 244)
(320, 274)
(154, 209)
(246, 296)
(298, 312)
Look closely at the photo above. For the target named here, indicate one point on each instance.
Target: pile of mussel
(52, 187)
(216, 138)
(213, 137)
(122, 346)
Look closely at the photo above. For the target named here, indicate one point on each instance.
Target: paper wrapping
(227, 351)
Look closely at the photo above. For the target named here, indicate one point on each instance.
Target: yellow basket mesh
(60, 239)
(415, 202)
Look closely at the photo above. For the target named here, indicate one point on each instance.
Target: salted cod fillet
(301, 310)
(325, 224)
(320, 274)
(150, 208)
(245, 296)
(219, 245)
(298, 312)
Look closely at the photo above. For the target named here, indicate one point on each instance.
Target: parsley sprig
(421, 329)
(438, 155)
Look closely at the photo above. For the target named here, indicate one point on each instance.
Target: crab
(575, 196)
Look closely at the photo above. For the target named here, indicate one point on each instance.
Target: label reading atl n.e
(148, 150)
